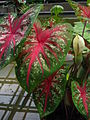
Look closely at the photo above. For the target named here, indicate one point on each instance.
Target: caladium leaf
(82, 12)
(43, 54)
(48, 95)
(12, 31)
(81, 96)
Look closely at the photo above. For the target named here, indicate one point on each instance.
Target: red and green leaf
(48, 95)
(82, 12)
(44, 53)
(81, 97)
(12, 31)
(41, 41)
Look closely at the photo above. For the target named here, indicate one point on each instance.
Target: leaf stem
(87, 72)
(84, 28)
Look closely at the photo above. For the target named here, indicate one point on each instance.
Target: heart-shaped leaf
(81, 96)
(12, 32)
(44, 53)
(48, 95)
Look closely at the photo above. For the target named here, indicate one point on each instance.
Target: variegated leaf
(43, 54)
(48, 95)
(81, 96)
(13, 31)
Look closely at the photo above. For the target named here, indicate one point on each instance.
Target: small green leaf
(57, 9)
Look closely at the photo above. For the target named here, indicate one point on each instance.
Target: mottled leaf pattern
(50, 92)
(81, 96)
(39, 42)
(12, 31)
(43, 54)
(82, 12)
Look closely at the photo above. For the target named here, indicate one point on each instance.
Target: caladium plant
(81, 93)
(42, 52)
(12, 31)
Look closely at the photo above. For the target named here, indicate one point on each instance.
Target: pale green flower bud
(78, 46)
